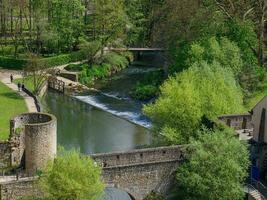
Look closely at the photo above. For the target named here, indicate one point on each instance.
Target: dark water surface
(83, 126)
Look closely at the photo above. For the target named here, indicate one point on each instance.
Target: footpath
(5, 78)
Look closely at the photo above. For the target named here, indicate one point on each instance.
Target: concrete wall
(237, 122)
(256, 119)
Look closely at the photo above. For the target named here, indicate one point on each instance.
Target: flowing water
(104, 121)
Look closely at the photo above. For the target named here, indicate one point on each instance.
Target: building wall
(237, 122)
(256, 119)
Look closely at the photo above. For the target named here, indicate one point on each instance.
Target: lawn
(257, 95)
(28, 82)
(11, 104)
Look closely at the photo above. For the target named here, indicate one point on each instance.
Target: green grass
(11, 104)
(257, 95)
(28, 82)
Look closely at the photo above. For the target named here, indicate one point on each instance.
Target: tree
(90, 50)
(202, 91)
(110, 21)
(72, 176)
(37, 69)
(216, 167)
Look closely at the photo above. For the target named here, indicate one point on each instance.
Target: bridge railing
(142, 156)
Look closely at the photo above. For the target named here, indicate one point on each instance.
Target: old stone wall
(5, 152)
(73, 76)
(140, 172)
(140, 180)
(14, 190)
(237, 122)
(40, 141)
(139, 156)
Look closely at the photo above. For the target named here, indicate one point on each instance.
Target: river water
(104, 121)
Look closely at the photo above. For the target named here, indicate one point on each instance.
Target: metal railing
(250, 188)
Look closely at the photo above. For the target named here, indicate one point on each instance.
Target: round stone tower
(40, 136)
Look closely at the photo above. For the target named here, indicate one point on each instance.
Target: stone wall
(140, 172)
(135, 157)
(14, 190)
(5, 152)
(73, 76)
(237, 122)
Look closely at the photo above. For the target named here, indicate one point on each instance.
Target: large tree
(216, 167)
(202, 91)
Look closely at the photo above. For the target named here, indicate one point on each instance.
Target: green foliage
(72, 176)
(110, 20)
(216, 167)
(19, 64)
(108, 64)
(12, 63)
(148, 87)
(144, 92)
(154, 196)
(204, 90)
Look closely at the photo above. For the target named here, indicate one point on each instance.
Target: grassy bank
(106, 65)
(257, 95)
(27, 81)
(11, 104)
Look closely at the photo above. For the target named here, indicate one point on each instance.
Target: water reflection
(92, 130)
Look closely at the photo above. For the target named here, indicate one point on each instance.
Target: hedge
(12, 63)
(18, 64)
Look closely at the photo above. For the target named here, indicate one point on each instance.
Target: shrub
(12, 63)
(144, 92)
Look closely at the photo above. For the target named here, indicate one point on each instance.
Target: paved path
(5, 78)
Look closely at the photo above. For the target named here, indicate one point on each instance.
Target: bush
(110, 63)
(216, 168)
(148, 87)
(19, 64)
(72, 176)
(12, 63)
(144, 92)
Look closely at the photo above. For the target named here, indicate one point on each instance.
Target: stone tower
(39, 133)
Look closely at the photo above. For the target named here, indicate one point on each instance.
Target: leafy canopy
(216, 167)
(203, 90)
(72, 176)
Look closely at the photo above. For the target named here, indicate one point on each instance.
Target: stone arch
(117, 193)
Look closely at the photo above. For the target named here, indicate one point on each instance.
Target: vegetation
(72, 176)
(215, 169)
(148, 88)
(184, 102)
(102, 67)
(11, 104)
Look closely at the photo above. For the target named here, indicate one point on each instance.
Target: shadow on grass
(11, 95)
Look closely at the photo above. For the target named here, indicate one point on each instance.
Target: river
(104, 121)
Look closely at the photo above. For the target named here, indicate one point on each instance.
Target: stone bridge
(140, 172)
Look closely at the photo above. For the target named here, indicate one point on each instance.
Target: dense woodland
(215, 55)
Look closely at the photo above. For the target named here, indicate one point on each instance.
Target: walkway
(5, 78)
